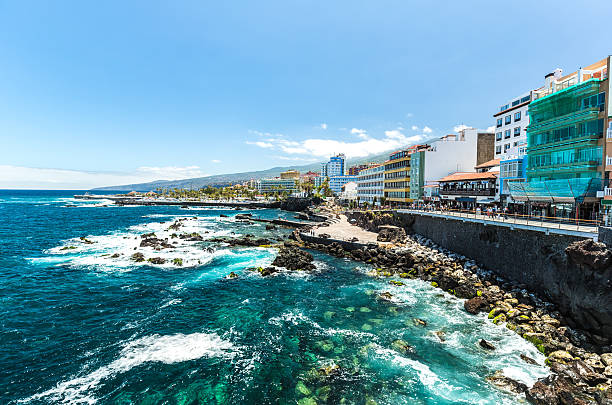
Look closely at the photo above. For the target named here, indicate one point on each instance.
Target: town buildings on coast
(549, 153)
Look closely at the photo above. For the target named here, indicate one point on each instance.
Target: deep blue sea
(80, 322)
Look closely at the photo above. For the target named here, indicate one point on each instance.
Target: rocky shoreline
(581, 370)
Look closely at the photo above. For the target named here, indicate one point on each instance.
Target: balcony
(607, 191)
(483, 192)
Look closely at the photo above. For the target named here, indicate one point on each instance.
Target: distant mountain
(233, 178)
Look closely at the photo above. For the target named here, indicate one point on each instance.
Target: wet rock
(223, 216)
(387, 296)
(401, 346)
(177, 262)
(270, 227)
(86, 241)
(441, 335)
(302, 389)
(157, 260)
(137, 257)
(115, 255)
(528, 359)
(419, 322)
(293, 258)
(505, 383)
(486, 345)
(192, 237)
(232, 275)
(268, 271)
(474, 305)
(155, 243)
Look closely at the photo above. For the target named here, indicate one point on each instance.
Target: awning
(487, 200)
(465, 199)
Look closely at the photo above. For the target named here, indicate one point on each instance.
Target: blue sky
(100, 93)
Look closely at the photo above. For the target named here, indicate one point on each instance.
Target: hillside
(226, 179)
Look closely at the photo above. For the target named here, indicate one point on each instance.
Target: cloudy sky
(104, 93)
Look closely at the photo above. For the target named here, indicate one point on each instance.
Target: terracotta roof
(490, 163)
(469, 176)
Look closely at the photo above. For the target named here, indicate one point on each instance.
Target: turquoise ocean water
(80, 326)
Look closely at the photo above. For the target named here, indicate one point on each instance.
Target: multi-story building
(337, 182)
(511, 124)
(568, 157)
(271, 186)
(397, 178)
(335, 166)
(449, 154)
(290, 174)
(370, 185)
(354, 170)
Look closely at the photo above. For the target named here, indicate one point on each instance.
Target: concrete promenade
(341, 229)
(509, 221)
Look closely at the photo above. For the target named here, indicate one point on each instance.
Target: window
(499, 122)
(594, 101)
(504, 107)
(515, 102)
(498, 149)
(525, 99)
(508, 119)
(517, 131)
(517, 116)
(506, 147)
(515, 144)
(498, 136)
(506, 134)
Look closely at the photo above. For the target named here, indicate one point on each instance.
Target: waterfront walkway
(533, 223)
(341, 229)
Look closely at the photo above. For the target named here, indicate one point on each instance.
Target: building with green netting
(566, 146)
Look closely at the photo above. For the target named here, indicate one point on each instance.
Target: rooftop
(459, 176)
(490, 163)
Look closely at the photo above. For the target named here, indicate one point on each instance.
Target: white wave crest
(155, 348)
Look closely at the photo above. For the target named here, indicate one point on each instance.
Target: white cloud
(415, 128)
(409, 115)
(427, 130)
(21, 177)
(491, 128)
(261, 144)
(215, 161)
(316, 147)
(323, 126)
(361, 133)
(460, 127)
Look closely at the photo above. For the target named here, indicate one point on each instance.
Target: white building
(271, 186)
(510, 127)
(370, 184)
(349, 191)
(451, 154)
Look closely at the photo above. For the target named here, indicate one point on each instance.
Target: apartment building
(397, 178)
(569, 155)
(271, 186)
(511, 123)
(370, 185)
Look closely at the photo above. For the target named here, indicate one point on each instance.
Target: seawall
(576, 279)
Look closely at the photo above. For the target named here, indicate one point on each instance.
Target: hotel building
(271, 186)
